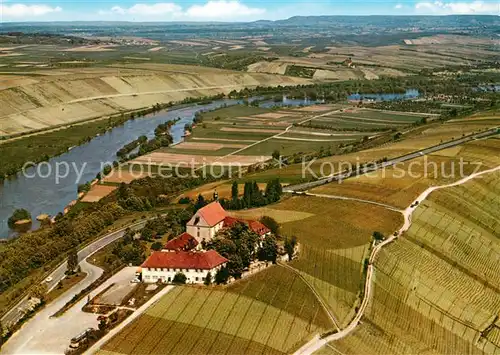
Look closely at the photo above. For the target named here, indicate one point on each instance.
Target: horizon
(228, 11)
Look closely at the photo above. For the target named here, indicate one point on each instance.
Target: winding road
(15, 313)
(317, 342)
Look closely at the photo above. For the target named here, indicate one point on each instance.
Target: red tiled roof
(185, 241)
(184, 260)
(212, 213)
(255, 226)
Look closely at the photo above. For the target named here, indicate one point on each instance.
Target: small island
(21, 218)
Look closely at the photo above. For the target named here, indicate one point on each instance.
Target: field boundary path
(276, 135)
(318, 296)
(317, 342)
(338, 197)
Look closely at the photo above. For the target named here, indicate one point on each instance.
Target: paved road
(44, 334)
(317, 342)
(401, 159)
(13, 315)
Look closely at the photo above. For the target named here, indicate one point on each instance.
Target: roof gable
(185, 241)
(212, 213)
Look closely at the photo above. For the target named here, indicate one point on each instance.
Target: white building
(206, 222)
(162, 266)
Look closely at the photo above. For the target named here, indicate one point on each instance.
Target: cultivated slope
(64, 97)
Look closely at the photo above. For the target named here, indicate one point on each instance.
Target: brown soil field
(268, 67)
(223, 140)
(63, 97)
(230, 129)
(315, 108)
(186, 160)
(98, 48)
(206, 146)
(281, 216)
(97, 192)
(272, 115)
(119, 176)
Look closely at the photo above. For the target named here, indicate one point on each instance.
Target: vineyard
(337, 275)
(437, 289)
(273, 312)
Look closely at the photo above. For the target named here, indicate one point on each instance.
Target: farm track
(287, 129)
(317, 342)
(318, 296)
(338, 197)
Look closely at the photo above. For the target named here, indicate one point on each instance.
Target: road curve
(14, 314)
(316, 343)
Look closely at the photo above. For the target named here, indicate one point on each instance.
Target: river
(40, 190)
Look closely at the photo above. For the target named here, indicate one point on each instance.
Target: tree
(156, 246)
(39, 291)
(200, 203)
(269, 250)
(234, 191)
(378, 236)
(271, 223)
(208, 279)
(290, 247)
(72, 262)
(222, 275)
(179, 278)
(18, 215)
(276, 155)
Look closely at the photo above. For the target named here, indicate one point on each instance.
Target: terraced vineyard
(272, 313)
(437, 289)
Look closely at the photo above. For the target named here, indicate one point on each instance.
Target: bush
(179, 278)
(157, 246)
(271, 223)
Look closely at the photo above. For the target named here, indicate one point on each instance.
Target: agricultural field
(412, 139)
(400, 186)
(37, 101)
(334, 239)
(226, 136)
(441, 275)
(272, 312)
(236, 135)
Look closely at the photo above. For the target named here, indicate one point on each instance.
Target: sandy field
(268, 67)
(97, 192)
(206, 146)
(230, 129)
(97, 48)
(188, 160)
(189, 43)
(315, 108)
(271, 115)
(223, 140)
(281, 216)
(119, 176)
(155, 49)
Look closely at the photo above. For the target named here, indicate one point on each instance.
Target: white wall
(152, 275)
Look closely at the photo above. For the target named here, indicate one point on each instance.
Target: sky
(228, 10)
